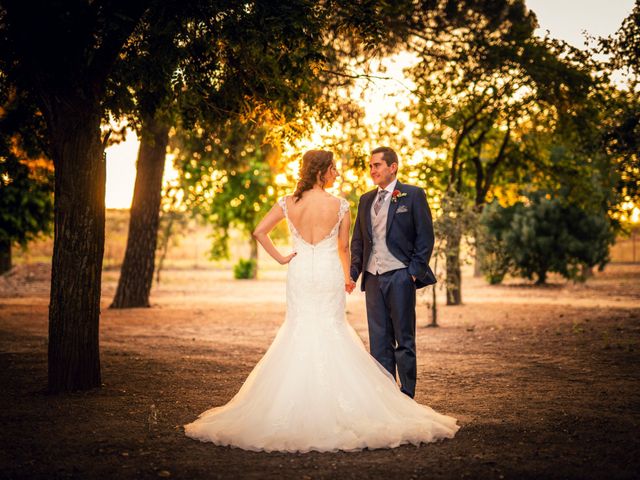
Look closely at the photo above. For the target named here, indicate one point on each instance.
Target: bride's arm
(261, 234)
(343, 247)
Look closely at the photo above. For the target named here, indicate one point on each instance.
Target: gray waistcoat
(381, 259)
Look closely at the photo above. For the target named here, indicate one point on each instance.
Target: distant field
(190, 247)
(627, 249)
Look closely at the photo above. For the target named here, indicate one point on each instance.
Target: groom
(391, 246)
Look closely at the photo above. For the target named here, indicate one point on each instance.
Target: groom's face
(381, 173)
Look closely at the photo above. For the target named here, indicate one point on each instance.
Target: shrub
(245, 269)
(543, 235)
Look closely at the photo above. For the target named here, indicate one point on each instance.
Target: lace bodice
(344, 208)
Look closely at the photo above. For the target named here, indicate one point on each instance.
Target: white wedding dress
(317, 387)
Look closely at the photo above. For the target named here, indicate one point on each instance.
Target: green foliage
(456, 219)
(544, 234)
(481, 91)
(255, 77)
(245, 269)
(621, 122)
(505, 109)
(201, 64)
(228, 181)
(239, 201)
(26, 175)
(271, 68)
(492, 250)
(624, 46)
(26, 201)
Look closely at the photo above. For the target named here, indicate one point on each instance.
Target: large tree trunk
(136, 275)
(454, 277)
(63, 52)
(542, 277)
(78, 247)
(5, 256)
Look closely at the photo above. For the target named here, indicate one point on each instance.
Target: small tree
(239, 202)
(547, 234)
(26, 204)
(26, 176)
(227, 182)
(173, 219)
(455, 218)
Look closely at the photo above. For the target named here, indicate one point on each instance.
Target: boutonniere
(396, 195)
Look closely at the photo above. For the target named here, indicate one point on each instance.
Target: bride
(317, 387)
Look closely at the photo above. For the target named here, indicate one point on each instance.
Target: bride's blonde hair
(315, 164)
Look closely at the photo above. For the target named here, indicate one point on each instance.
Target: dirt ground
(543, 380)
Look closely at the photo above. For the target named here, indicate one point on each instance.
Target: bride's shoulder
(286, 195)
(339, 200)
(282, 201)
(343, 205)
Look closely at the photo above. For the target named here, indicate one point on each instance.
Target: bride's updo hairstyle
(315, 164)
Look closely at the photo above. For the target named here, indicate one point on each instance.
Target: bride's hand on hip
(287, 258)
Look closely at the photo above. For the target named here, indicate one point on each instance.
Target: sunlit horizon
(121, 172)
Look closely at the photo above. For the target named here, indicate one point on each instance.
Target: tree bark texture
(454, 277)
(78, 248)
(136, 275)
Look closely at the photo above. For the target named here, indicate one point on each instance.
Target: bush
(543, 235)
(245, 269)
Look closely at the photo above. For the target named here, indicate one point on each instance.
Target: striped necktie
(378, 205)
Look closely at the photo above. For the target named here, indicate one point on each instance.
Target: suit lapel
(367, 212)
(393, 206)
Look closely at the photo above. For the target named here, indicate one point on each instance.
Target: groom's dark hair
(388, 155)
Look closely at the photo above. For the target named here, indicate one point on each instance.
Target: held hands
(286, 259)
(349, 286)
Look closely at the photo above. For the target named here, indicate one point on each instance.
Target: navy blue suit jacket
(409, 234)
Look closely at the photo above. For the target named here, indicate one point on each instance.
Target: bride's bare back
(314, 215)
(313, 218)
